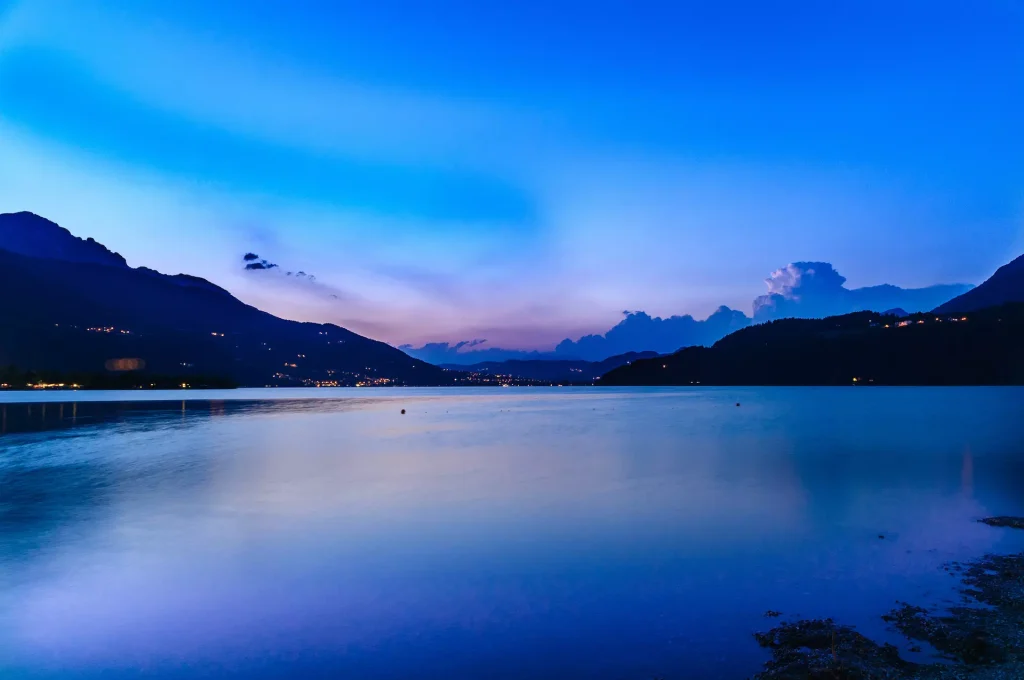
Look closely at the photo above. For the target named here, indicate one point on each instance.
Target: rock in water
(1005, 521)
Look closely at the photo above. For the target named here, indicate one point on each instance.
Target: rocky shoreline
(981, 639)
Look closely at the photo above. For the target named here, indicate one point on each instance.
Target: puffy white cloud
(816, 289)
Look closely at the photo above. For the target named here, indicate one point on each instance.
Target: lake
(486, 533)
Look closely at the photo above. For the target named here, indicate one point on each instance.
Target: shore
(982, 638)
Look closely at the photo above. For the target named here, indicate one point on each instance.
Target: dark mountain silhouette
(554, 370)
(813, 290)
(72, 305)
(26, 233)
(980, 348)
(1006, 285)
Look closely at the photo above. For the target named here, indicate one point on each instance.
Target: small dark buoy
(882, 536)
(737, 403)
(403, 411)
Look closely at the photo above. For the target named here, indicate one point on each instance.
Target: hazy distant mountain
(555, 370)
(1006, 285)
(813, 290)
(78, 305)
(460, 353)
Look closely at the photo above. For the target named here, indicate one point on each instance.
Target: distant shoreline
(53, 390)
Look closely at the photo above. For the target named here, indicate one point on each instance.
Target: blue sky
(521, 172)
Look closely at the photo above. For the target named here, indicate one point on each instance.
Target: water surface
(526, 532)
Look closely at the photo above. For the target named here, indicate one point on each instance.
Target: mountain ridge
(864, 348)
(1005, 285)
(29, 234)
(86, 307)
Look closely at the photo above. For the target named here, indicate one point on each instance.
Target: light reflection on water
(486, 533)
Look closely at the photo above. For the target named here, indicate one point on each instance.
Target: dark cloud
(301, 275)
(254, 263)
(296, 280)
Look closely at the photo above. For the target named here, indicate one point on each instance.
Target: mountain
(553, 370)
(980, 348)
(80, 307)
(1006, 285)
(25, 233)
(459, 355)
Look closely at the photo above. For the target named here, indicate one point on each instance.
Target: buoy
(737, 403)
(403, 411)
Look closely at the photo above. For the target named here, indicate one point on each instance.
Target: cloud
(638, 226)
(637, 332)
(282, 99)
(800, 289)
(809, 277)
(640, 332)
(816, 289)
(308, 282)
(254, 263)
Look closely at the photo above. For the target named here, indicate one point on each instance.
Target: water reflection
(610, 534)
(44, 416)
(967, 474)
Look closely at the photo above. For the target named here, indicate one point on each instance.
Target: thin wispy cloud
(279, 99)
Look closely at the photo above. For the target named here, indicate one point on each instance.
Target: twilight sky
(520, 171)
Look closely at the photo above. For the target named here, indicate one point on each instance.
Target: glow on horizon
(504, 177)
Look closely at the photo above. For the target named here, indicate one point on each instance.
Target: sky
(520, 172)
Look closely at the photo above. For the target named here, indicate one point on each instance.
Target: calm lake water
(487, 533)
